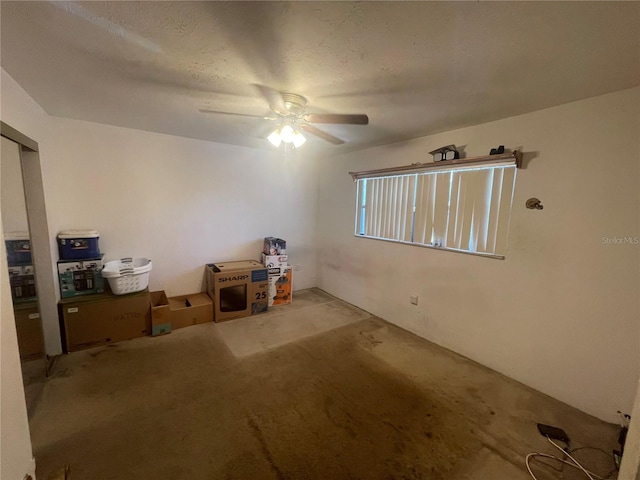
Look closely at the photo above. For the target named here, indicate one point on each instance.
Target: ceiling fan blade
(353, 119)
(273, 96)
(320, 133)
(206, 110)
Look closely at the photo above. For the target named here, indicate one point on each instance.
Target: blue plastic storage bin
(78, 245)
(18, 247)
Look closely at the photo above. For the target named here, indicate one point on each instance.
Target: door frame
(40, 241)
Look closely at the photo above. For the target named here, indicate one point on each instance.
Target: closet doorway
(28, 258)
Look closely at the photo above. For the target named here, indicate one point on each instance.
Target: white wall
(561, 312)
(16, 458)
(14, 209)
(21, 111)
(180, 202)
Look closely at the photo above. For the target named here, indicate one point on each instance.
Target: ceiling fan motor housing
(293, 103)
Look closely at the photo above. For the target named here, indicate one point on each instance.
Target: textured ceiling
(414, 67)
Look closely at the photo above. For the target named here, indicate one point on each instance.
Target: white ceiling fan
(289, 110)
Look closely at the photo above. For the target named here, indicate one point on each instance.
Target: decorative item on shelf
(448, 152)
(497, 151)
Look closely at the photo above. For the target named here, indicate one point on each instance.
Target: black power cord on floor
(568, 458)
(609, 455)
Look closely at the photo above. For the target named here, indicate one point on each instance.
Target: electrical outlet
(413, 299)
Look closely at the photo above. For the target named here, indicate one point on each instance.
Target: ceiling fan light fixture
(287, 133)
(275, 138)
(298, 139)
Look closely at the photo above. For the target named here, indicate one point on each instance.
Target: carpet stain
(257, 432)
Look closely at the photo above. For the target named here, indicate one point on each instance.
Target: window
(463, 208)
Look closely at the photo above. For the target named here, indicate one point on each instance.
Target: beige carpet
(312, 312)
(363, 401)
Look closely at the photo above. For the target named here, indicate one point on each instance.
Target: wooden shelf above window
(504, 159)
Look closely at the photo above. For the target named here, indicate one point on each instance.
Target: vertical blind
(461, 209)
(387, 207)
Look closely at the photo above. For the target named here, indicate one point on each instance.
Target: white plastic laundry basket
(127, 275)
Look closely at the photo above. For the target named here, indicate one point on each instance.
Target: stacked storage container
(275, 258)
(24, 295)
(80, 264)
(127, 275)
(21, 273)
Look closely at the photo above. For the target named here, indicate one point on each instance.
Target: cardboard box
(274, 246)
(96, 320)
(160, 313)
(275, 260)
(277, 271)
(80, 277)
(280, 286)
(187, 310)
(29, 330)
(238, 289)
